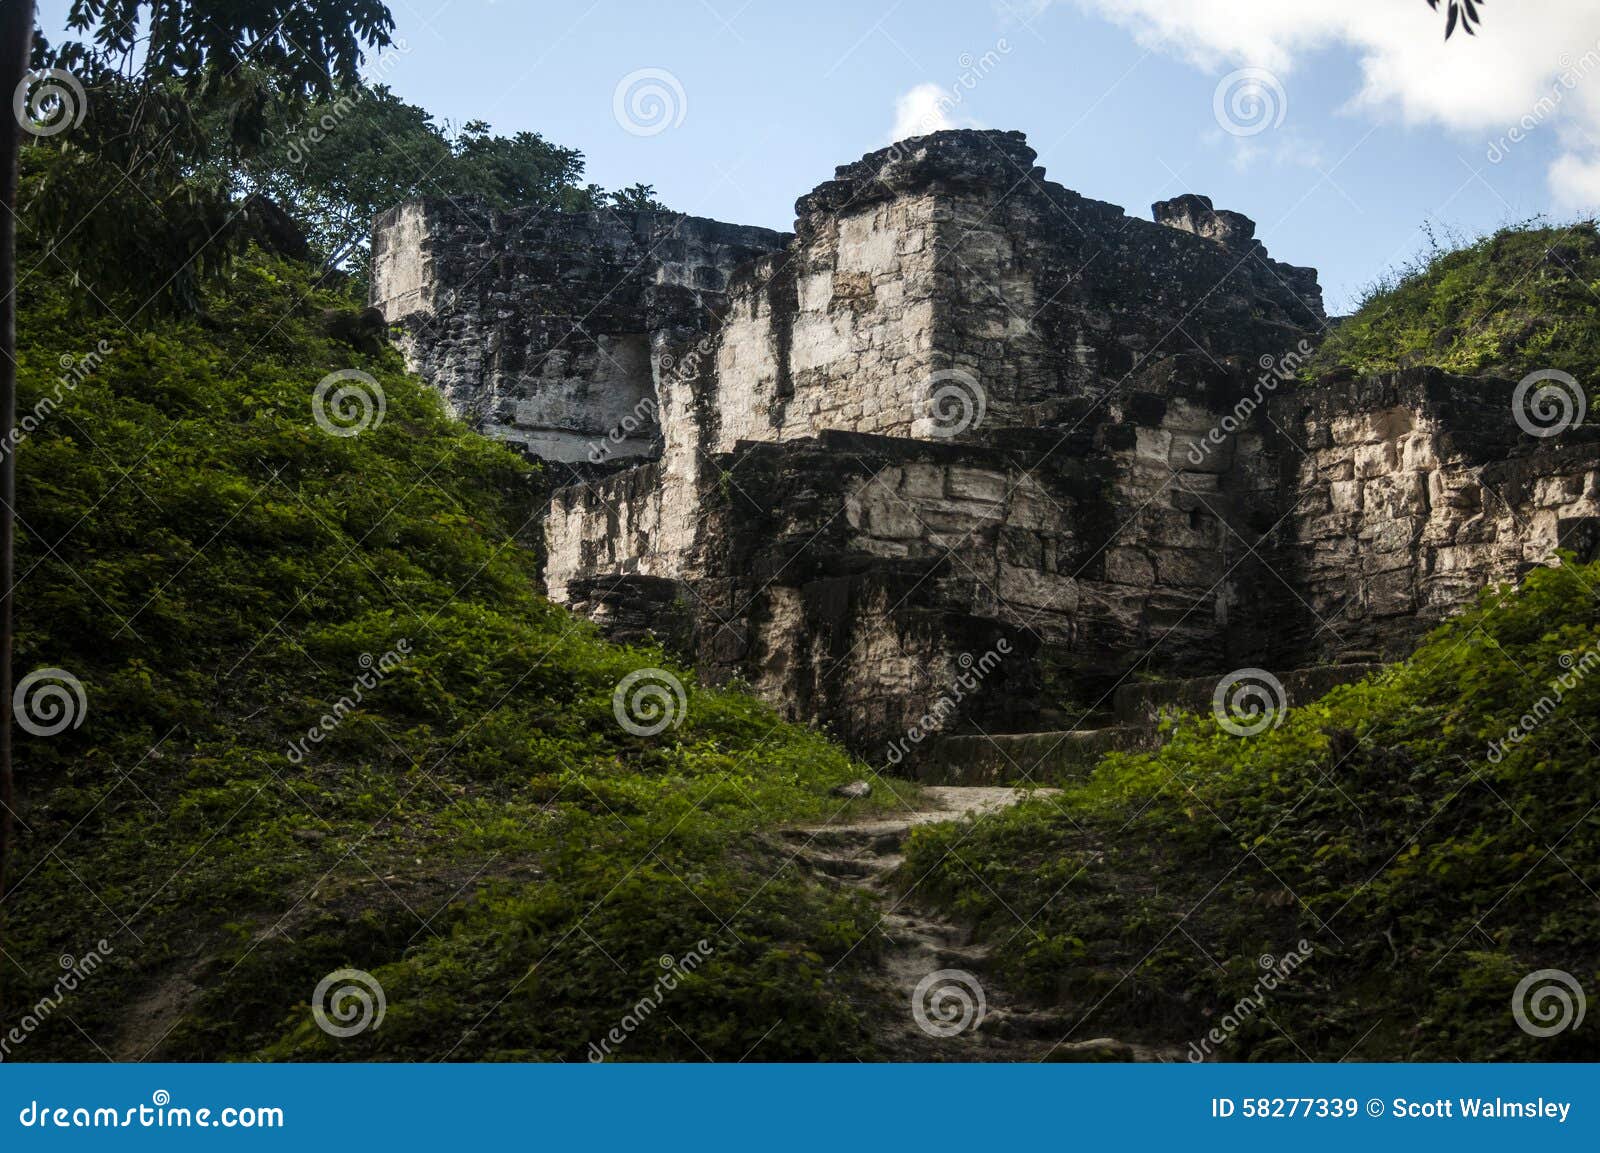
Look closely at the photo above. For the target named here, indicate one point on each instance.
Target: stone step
(876, 839)
(1043, 757)
(1140, 703)
(1007, 758)
(849, 868)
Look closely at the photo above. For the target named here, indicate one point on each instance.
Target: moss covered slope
(1429, 861)
(476, 830)
(1520, 300)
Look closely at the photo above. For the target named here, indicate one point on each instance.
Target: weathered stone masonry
(961, 405)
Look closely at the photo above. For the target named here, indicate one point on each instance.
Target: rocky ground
(946, 1004)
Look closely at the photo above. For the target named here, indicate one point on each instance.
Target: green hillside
(1428, 869)
(476, 829)
(1520, 300)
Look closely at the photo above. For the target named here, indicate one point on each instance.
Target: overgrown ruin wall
(1412, 492)
(959, 409)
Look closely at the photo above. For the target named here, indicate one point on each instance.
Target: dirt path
(950, 1008)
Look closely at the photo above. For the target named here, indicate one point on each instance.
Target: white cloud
(924, 109)
(1523, 53)
(1576, 182)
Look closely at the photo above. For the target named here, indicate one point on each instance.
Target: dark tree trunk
(16, 45)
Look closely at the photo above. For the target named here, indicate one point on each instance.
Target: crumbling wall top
(955, 158)
(1193, 213)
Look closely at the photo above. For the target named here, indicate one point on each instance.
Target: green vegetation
(341, 161)
(1430, 870)
(1523, 299)
(157, 192)
(479, 832)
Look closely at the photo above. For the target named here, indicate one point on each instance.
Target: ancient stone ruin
(968, 451)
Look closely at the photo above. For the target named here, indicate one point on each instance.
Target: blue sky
(1383, 127)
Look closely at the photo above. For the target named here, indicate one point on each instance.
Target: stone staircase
(1070, 754)
(944, 1003)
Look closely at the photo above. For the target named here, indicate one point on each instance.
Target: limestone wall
(539, 326)
(1413, 491)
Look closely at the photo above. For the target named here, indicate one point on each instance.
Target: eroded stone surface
(967, 446)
